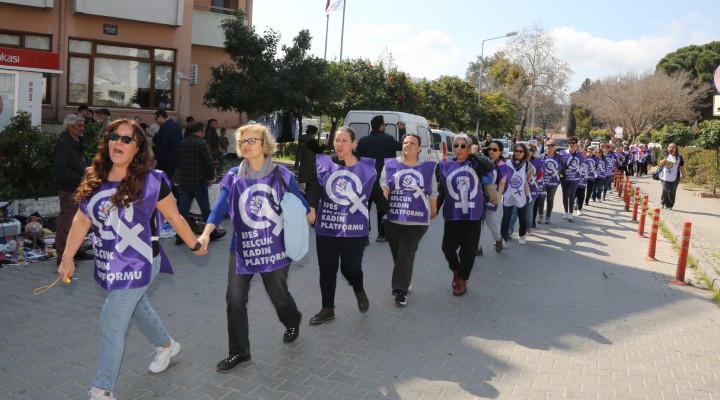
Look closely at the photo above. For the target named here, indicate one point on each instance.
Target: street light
(482, 69)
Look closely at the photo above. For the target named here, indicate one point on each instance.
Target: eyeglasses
(550, 145)
(572, 143)
(251, 141)
(519, 151)
(532, 149)
(114, 137)
(462, 146)
(493, 149)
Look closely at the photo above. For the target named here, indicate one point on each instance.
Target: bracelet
(197, 246)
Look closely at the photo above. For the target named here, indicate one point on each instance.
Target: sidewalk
(702, 212)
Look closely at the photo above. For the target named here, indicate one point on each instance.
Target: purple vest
(584, 173)
(552, 167)
(609, 164)
(463, 191)
(537, 186)
(410, 188)
(599, 168)
(498, 173)
(590, 161)
(257, 219)
(343, 207)
(572, 164)
(123, 240)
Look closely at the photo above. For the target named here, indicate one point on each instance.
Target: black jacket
(196, 164)
(69, 162)
(378, 145)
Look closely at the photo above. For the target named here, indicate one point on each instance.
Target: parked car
(443, 141)
(560, 144)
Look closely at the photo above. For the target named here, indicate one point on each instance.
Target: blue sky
(434, 38)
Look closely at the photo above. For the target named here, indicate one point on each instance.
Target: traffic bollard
(628, 189)
(653, 235)
(682, 259)
(620, 187)
(635, 205)
(641, 226)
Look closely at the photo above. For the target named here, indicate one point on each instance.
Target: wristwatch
(197, 246)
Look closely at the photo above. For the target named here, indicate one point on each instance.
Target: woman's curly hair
(131, 186)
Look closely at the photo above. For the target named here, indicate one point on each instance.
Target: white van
(443, 142)
(359, 121)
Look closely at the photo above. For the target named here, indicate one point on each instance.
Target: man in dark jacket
(68, 170)
(194, 175)
(166, 144)
(378, 145)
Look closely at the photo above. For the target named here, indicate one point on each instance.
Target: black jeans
(463, 236)
(580, 197)
(549, 199)
(505, 224)
(403, 240)
(568, 195)
(237, 297)
(345, 253)
(589, 191)
(669, 189)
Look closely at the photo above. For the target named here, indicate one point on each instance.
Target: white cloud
(425, 53)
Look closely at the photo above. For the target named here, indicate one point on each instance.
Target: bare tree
(545, 75)
(641, 102)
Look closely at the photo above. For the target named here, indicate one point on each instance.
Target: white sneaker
(565, 216)
(579, 213)
(570, 218)
(163, 356)
(99, 394)
(522, 240)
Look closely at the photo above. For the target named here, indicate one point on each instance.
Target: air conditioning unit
(193, 74)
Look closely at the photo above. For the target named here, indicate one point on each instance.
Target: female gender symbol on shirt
(346, 184)
(410, 179)
(552, 167)
(252, 202)
(466, 185)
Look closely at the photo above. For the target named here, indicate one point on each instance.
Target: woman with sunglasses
(517, 192)
(572, 160)
(121, 199)
(251, 193)
(344, 184)
(552, 167)
(499, 178)
(599, 175)
(460, 188)
(583, 183)
(410, 185)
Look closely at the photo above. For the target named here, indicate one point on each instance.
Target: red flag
(327, 6)
(337, 5)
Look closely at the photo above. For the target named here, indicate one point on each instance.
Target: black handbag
(656, 173)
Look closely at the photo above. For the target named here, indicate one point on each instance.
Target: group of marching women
(123, 200)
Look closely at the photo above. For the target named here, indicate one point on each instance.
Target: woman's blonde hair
(268, 143)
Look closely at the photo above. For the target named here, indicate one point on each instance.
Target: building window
(115, 75)
(31, 41)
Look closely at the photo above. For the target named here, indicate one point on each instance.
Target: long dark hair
(501, 150)
(132, 184)
(522, 145)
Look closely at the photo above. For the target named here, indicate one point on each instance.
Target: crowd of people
(125, 194)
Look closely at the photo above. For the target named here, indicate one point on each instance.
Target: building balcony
(206, 29)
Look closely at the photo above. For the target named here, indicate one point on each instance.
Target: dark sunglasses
(569, 143)
(532, 149)
(493, 149)
(519, 151)
(114, 137)
(462, 146)
(549, 145)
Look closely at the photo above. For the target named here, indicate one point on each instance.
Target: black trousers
(669, 190)
(589, 191)
(345, 254)
(459, 244)
(549, 199)
(237, 298)
(403, 240)
(580, 197)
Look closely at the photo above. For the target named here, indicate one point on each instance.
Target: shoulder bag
(295, 226)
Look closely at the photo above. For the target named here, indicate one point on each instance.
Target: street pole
(482, 72)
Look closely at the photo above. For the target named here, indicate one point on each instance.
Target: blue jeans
(120, 307)
(201, 195)
(528, 210)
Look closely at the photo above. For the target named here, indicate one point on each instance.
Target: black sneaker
(217, 234)
(381, 238)
(292, 332)
(479, 252)
(326, 314)
(233, 361)
(498, 245)
(400, 298)
(362, 300)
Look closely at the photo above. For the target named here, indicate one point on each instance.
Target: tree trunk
(523, 122)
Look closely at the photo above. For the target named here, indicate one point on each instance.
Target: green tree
(402, 93)
(497, 113)
(583, 122)
(700, 63)
(251, 82)
(679, 134)
(451, 102)
(709, 138)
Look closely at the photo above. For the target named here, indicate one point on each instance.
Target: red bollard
(682, 260)
(628, 189)
(620, 187)
(635, 206)
(641, 226)
(653, 235)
